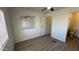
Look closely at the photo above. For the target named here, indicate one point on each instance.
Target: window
(3, 30)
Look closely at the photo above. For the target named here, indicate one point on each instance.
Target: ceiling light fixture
(48, 7)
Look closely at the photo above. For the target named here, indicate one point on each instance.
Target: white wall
(19, 33)
(9, 44)
(60, 23)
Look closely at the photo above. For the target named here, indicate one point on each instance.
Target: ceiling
(39, 9)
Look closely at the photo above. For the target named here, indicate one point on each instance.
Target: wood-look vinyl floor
(44, 43)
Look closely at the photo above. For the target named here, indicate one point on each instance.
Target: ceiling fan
(51, 9)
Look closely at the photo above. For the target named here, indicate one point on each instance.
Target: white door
(48, 24)
(43, 25)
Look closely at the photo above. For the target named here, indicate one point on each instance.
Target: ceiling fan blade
(44, 9)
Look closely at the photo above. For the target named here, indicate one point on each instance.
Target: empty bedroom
(38, 29)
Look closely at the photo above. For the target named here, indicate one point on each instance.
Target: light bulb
(48, 7)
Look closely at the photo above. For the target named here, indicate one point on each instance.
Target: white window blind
(3, 30)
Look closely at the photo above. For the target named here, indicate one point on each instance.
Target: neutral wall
(18, 32)
(9, 45)
(60, 23)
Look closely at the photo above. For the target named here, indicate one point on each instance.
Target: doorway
(73, 30)
(48, 24)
